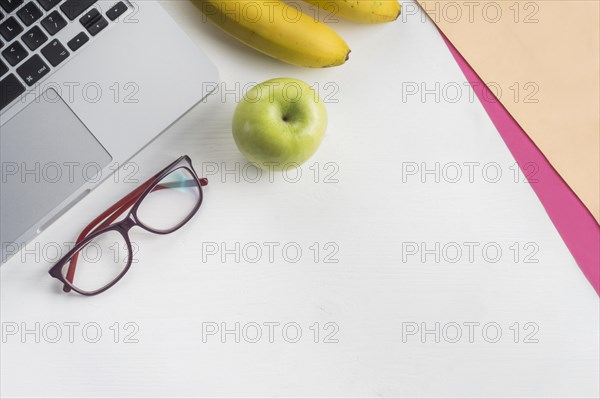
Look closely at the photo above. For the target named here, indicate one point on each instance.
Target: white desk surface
(370, 295)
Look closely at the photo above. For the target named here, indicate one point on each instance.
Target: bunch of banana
(286, 33)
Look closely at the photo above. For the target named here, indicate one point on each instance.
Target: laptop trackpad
(46, 154)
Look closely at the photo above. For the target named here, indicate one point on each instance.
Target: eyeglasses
(103, 252)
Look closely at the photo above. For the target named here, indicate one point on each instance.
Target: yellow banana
(278, 30)
(365, 11)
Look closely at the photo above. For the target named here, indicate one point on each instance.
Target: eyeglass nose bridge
(126, 224)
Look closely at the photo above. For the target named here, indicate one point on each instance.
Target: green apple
(279, 123)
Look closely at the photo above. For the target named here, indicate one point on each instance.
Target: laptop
(84, 85)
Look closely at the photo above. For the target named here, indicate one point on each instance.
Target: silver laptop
(84, 85)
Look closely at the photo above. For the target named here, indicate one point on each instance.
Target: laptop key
(29, 13)
(97, 27)
(10, 5)
(1, 15)
(10, 29)
(116, 11)
(33, 70)
(15, 53)
(78, 41)
(34, 38)
(3, 68)
(10, 90)
(55, 52)
(93, 21)
(74, 8)
(48, 4)
(54, 22)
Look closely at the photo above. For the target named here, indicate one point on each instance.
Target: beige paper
(542, 59)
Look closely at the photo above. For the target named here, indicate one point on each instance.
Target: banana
(365, 11)
(278, 30)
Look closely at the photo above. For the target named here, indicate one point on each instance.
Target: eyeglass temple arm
(112, 213)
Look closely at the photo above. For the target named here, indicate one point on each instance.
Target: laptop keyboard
(29, 26)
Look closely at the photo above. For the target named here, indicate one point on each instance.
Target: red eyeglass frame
(103, 224)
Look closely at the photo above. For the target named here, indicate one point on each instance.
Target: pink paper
(574, 222)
